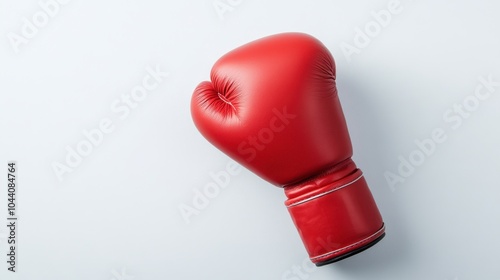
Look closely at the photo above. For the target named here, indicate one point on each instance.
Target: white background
(116, 215)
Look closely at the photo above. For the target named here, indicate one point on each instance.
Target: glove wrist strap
(335, 213)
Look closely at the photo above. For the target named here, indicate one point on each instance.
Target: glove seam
(325, 193)
(332, 169)
(350, 246)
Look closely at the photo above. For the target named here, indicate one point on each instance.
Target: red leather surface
(272, 106)
(294, 73)
(334, 212)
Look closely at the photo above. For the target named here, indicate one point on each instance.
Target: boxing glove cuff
(335, 213)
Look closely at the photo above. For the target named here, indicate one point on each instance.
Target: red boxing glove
(272, 106)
